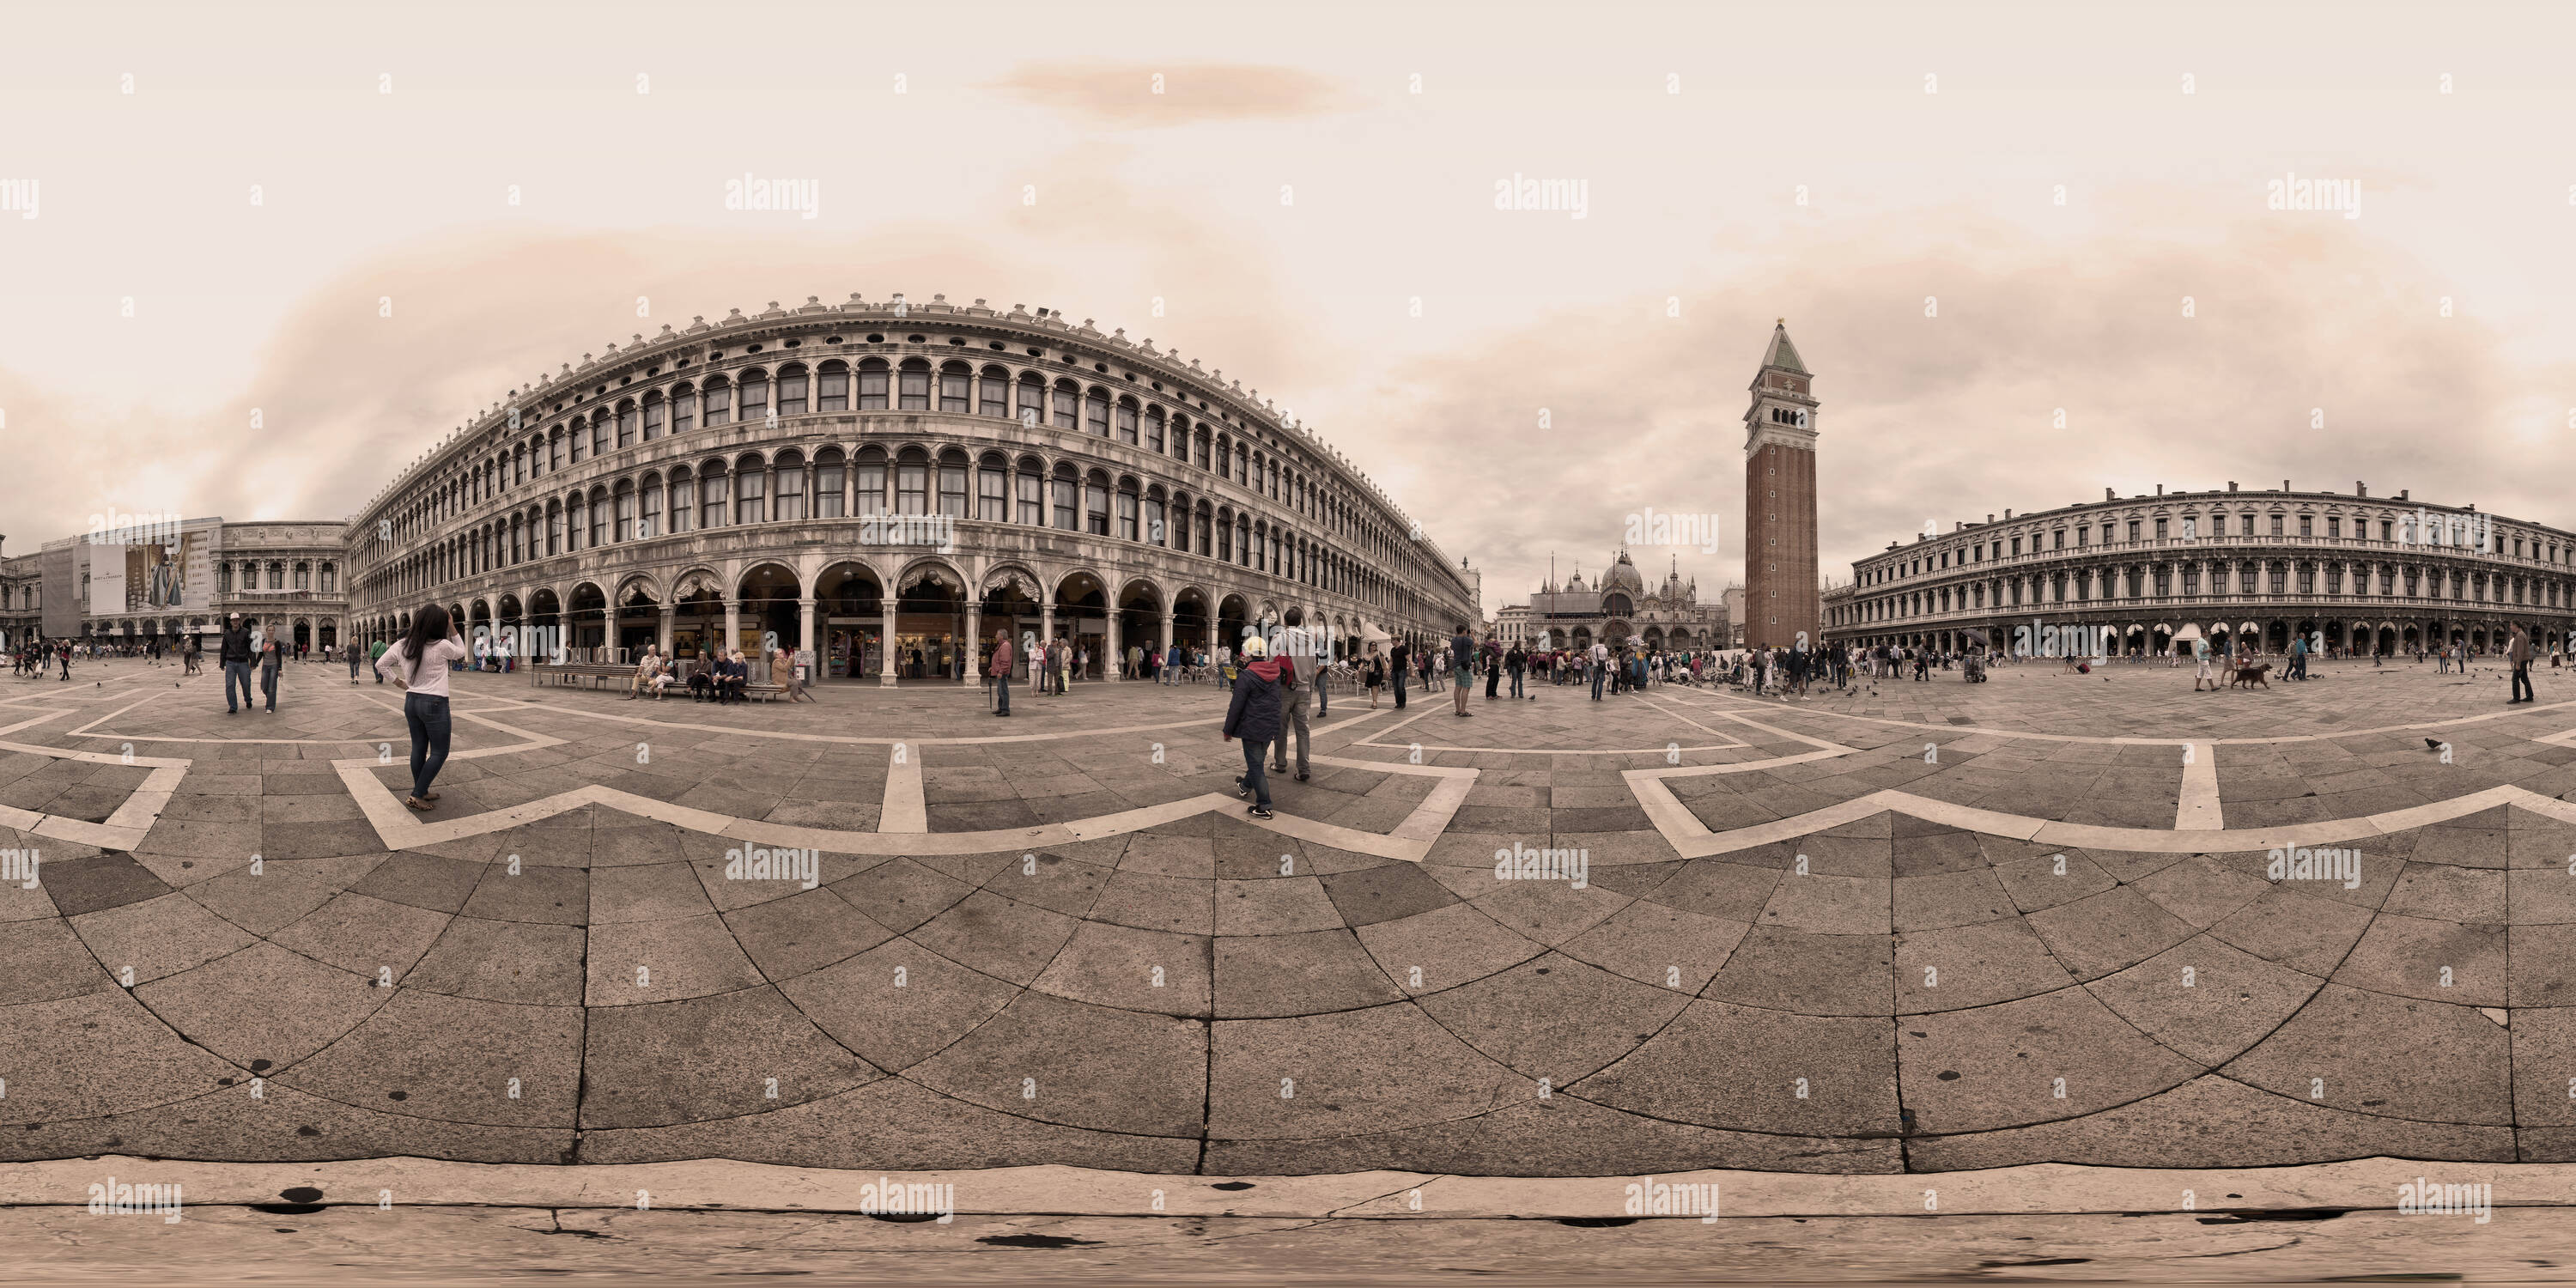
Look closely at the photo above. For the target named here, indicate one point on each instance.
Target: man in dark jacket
(1253, 716)
(1399, 662)
(236, 663)
(1515, 661)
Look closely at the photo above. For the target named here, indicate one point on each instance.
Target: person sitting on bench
(735, 677)
(702, 682)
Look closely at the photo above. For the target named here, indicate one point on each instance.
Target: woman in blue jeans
(419, 665)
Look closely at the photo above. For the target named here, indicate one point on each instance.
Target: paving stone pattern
(262, 976)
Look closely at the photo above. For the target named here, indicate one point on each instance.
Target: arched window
(752, 395)
(599, 515)
(872, 385)
(628, 424)
(995, 393)
(791, 482)
(1067, 489)
(649, 501)
(868, 485)
(712, 506)
(1157, 525)
(684, 407)
(791, 390)
(330, 578)
(954, 382)
(1154, 429)
(653, 415)
(750, 490)
(912, 393)
(599, 432)
(1095, 414)
(992, 488)
(303, 576)
(834, 394)
(1032, 405)
(718, 401)
(830, 484)
(554, 528)
(912, 482)
(1225, 535)
(1067, 401)
(684, 499)
(1207, 528)
(1095, 503)
(1029, 492)
(1127, 530)
(625, 504)
(1243, 540)
(277, 576)
(952, 483)
(1126, 413)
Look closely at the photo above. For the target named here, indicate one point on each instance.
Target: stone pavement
(1933, 928)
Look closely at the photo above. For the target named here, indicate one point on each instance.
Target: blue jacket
(1253, 715)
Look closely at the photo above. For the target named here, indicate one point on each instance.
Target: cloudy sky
(1974, 218)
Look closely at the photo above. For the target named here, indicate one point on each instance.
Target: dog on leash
(2250, 676)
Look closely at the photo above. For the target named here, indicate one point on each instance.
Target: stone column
(1046, 623)
(973, 644)
(1112, 666)
(885, 647)
(805, 624)
(733, 623)
(1167, 633)
(668, 612)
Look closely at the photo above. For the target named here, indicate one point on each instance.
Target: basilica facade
(1617, 610)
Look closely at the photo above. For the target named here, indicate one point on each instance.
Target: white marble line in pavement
(400, 828)
(1692, 839)
(123, 829)
(2198, 809)
(905, 809)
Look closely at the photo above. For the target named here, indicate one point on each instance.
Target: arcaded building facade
(894, 485)
(2361, 573)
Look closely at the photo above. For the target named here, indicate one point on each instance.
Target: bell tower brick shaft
(1783, 593)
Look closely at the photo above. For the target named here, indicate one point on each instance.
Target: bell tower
(1783, 594)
